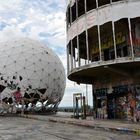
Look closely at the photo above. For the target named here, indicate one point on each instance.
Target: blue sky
(43, 20)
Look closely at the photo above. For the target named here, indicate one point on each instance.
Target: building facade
(103, 49)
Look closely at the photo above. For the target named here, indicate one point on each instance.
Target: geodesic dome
(34, 69)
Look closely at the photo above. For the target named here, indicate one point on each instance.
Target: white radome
(32, 67)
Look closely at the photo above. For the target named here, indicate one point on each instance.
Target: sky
(43, 20)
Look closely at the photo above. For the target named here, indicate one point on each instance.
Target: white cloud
(10, 32)
(9, 4)
(13, 21)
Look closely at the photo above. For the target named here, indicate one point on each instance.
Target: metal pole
(76, 9)
(81, 103)
(77, 36)
(70, 15)
(84, 107)
(79, 64)
(94, 103)
(71, 40)
(77, 108)
(130, 36)
(71, 54)
(99, 37)
(87, 45)
(68, 69)
(113, 29)
(87, 93)
(114, 41)
(73, 105)
(0, 100)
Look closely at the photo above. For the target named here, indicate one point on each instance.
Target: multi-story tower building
(103, 49)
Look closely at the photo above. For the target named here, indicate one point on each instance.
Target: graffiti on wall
(107, 42)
